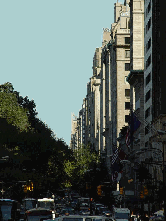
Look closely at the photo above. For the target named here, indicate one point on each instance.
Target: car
(84, 212)
(157, 218)
(104, 210)
(67, 211)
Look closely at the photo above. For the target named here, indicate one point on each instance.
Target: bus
(29, 203)
(9, 210)
(47, 203)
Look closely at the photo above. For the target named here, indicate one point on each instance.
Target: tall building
(136, 81)
(136, 75)
(107, 130)
(93, 104)
(74, 133)
(154, 77)
(155, 54)
(104, 92)
(119, 70)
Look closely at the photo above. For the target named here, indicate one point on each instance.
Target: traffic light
(141, 194)
(145, 191)
(25, 188)
(121, 190)
(99, 190)
(31, 186)
(88, 186)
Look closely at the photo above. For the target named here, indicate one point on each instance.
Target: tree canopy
(33, 150)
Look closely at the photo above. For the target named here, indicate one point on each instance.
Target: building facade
(119, 70)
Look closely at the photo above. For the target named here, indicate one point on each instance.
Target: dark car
(67, 211)
(105, 211)
(157, 218)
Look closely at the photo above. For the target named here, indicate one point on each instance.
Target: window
(148, 45)
(126, 118)
(127, 105)
(149, 7)
(148, 61)
(148, 25)
(127, 66)
(147, 97)
(127, 92)
(146, 130)
(127, 53)
(146, 144)
(127, 40)
(129, 24)
(148, 78)
(147, 113)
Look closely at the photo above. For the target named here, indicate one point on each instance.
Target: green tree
(76, 170)
(29, 143)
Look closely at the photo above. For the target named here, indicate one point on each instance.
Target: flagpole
(131, 129)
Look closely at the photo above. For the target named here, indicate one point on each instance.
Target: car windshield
(6, 211)
(104, 209)
(45, 204)
(121, 215)
(29, 204)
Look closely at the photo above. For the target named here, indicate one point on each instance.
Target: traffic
(67, 207)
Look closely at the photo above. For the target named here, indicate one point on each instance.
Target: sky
(46, 52)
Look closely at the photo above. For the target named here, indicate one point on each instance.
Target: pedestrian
(145, 217)
(138, 217)
(131, 218)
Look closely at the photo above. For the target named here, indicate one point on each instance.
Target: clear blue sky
(46, 52)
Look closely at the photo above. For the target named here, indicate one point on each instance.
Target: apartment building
(136, 75)
(148, 68)
(92, 105)
(74, 133)
(82, 124)
(107, 130)
(136, 81)
(104, 94)
(154, 78)
(119, 69)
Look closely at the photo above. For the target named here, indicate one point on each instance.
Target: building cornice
(126, 46)
(135, 75)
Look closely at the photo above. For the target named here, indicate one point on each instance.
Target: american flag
(134, 124)
(128, 137)
(116, 165)
(115, 156)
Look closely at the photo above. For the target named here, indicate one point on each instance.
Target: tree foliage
(11, 111)
(34, 151)
(76, 170)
